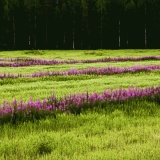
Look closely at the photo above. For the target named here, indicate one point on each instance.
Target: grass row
(126, 99)
(92, 135)
(39, 88)
(65, 67)
(78, 54)
(119, 131)
(88, 71)
(21, 62)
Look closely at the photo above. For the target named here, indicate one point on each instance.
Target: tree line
(79, 24)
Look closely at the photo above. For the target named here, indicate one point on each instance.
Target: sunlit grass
(123, 132)
(90, 136)
(39, 88)
(78, 54)
(65, 67)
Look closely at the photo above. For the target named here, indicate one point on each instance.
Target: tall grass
(76, 103)
(91, 135)
(23, 88)
(105, 130)
(79, 55)
(65, 67)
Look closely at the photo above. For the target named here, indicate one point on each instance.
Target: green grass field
(94, 134)
(78, 54)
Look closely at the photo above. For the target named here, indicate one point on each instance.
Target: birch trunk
(145, 29)
(101, 27)
(35, 26)
(46, 25)
(14, 31)
(73, 27)
(119, 33)
(127, 40)
(29, 39)
(82, 38)
(73, 36)
(64, 38)
(88, 31)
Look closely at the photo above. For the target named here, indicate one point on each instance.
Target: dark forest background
(79, 24)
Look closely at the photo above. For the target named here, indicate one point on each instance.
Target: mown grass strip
(78, 54)
(23, 88)
(90, 71)
(65, 67)
(21, 62)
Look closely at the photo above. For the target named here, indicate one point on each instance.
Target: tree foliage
(79, 24)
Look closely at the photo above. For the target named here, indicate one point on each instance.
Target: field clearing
(91, 136)
(40, 88)
(65, 67)
(80, 54)
(127, 131)
(23, 88)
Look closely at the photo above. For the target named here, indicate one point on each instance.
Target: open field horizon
(126, 129)
(80, 54)
(42, 87)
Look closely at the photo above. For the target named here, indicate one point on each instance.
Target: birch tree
(101, 11)
(129, 12)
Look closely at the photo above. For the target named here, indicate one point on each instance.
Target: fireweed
(88, 71)
(74, 103)
(20, 62)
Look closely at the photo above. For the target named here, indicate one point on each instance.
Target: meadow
(84, 108)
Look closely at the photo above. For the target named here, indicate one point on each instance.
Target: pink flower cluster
(21, 62)
(73, 103)
(98, 71)
(90, 71)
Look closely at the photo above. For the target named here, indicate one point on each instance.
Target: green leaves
(6, 10)
(130, 6)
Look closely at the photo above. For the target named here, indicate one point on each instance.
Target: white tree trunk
(64, 38)
(119, 33)
(46, 24)
(73, 39)
(127, 40)
(101, 27)
(145, 29)
(29, 40)
(73, 47)
(14, 31)
(35, 26)
(82, 37)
